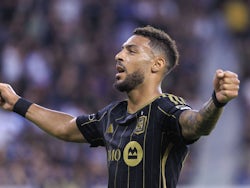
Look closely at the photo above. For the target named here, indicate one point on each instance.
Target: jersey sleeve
(170, 110)
(91, 127)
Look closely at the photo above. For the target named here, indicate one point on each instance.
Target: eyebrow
(135, 47)
(130, 46)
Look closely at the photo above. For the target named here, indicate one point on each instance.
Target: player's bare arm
(58, 124)
(197, 123)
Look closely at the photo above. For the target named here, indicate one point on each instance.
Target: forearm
(52, 122)
(197, 123)
(57, 124)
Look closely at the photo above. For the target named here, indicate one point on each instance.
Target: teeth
(119, 69)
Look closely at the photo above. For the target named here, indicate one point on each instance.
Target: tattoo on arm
(197, 123)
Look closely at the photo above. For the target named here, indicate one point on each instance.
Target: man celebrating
(146, 135)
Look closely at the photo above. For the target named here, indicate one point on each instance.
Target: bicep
(188, 121)
(72, 132)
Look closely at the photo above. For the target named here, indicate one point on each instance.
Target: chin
(118, 82)
(119, 86)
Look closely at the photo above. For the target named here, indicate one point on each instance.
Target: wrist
(21, 106)
(216, 102)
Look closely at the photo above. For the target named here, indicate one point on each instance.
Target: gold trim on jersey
(128, 177)
(92, 118)
(146, 104)
(170, 115)
(144, 142)
(163, 164)
(119, 118)
(175, 99)
(145, 121)
(117, 163)
(110, 140)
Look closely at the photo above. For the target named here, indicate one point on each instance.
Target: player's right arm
(57, 124)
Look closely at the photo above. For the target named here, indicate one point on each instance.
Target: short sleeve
(170, 109)
(91, 129)
(92, 126)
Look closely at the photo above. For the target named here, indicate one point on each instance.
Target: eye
(131, 51)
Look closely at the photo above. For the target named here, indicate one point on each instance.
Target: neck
(138, 98)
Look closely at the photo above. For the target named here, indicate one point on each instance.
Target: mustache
(118, 63)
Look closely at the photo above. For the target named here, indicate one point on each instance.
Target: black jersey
(144, 149)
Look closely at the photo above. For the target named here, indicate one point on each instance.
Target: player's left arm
(197, 123)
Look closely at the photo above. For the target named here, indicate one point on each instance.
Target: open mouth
(120, 69)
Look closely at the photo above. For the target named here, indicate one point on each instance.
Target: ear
(158, 65)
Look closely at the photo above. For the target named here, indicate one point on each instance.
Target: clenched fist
(226, 85)
(8, 97)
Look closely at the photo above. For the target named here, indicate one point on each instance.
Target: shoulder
(115, 106)
(170, 101)
(101, 114)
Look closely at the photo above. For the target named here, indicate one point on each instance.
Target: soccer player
(146, 135)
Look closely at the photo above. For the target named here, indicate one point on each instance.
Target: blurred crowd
(60, 54)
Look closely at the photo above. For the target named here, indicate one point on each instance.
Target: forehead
(137, 41)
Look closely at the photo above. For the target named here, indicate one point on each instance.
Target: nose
(118, 56)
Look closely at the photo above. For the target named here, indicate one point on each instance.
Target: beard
(131, 82)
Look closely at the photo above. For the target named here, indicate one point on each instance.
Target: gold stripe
(111, 141)
(119, 118)
(128, 183)
(128, 177)
(163, 95)
(144, 144)
(184, 160)
(90, 121)
(170, 115)
(162, 137)
(131, 136)
(163, 164)
(146, 104)
(113, 134)
(117, 161)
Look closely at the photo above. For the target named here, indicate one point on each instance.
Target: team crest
(140, 126)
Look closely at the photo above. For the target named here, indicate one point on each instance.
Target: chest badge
(132, 153)
(141, 124)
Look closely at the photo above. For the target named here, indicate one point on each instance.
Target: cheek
(135, 63)
(143, 67)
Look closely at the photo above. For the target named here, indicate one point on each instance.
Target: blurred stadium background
(60, 54)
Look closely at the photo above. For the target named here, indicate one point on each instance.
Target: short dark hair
(161, 41)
